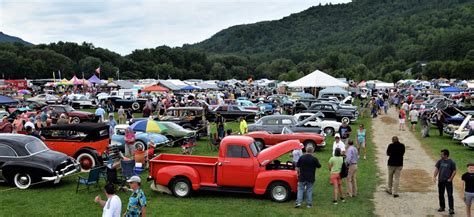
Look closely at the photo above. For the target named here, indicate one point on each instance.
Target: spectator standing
(6, 126)
(402, 115)
(62, 120)
(440, 121)
(338, 144)
(17, 124)
(345, 132)
(129, 114)
(243, 126)
(296, 154)
(100, 113)
(306, 169)
(395, 152)
(112, 207)
(220, 122)
(424, 121)
(352, 158)
(335, 167)
(385, 106)
(137, 201)
(413, 118)
(129, 142)
(112, 124)
(44, 117)
(30, 123)
(121, 115)
(445, 171)
(468, 181)
(361, 140)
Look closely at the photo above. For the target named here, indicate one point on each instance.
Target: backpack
(344, 170)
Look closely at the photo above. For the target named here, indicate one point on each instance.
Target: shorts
(414, 122)
(362, 143)
(401, 121)
(336, 178)
(468, 198)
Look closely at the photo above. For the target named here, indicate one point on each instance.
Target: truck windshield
(254, 149)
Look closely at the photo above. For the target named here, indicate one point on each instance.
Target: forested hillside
(365, 39)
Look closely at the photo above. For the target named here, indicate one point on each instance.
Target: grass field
(61, 199)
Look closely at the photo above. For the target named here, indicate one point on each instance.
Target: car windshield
(254, 148)
(35, 146)
(286, 131)
(68, 108)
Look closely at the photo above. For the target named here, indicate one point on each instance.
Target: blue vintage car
(141, 138)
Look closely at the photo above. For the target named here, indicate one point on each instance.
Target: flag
(97, 70)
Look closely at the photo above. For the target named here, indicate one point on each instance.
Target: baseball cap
(337, 135)
(134, 179)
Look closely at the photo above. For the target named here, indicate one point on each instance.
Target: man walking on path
(395, 152)
(413, 118)
(445, 170)
(352, 157)
(306, 168)
(468, 179)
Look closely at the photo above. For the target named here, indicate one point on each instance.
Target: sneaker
(441, 210)
(334, 202)
(309, 206)
(297, 205)
(388, 192)
(451, 211)
(365, 158)
(396, 195)
(342, 199)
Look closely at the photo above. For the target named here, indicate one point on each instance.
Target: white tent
(317, 79)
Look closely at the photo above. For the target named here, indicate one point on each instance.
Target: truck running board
(227, 189)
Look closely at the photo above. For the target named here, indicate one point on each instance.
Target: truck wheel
(135, 106)
(260, 143)
(22, 180)
(86, 160)
(279, 192)
(329, 131)
(181, 187)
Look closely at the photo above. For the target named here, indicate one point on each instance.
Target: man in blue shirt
(100, 112)
(352, 157)
(137, 202)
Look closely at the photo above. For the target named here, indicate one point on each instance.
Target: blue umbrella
(4, 100)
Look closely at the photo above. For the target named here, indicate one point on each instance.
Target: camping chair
(128, 170)
(213, 142)
(93, 179)
(189, 146)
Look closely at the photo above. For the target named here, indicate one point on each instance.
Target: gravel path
(418, 194)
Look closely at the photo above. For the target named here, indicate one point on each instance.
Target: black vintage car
(25, 160)
(136, 104)
(333, 111)
(233, 112)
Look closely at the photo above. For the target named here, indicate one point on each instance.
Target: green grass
(459, 153)
(61, 199)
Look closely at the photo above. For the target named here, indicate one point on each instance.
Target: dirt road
(418, 194)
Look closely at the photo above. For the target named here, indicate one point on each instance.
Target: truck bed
(207, 166)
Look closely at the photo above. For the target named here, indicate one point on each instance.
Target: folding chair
(189, 146)
(93, 179)
(128, 170)
(213, 142)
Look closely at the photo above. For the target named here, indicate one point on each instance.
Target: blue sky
(123, 26)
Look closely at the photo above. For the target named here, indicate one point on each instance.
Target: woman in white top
(113, 206)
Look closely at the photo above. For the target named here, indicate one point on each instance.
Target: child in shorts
(468, 179)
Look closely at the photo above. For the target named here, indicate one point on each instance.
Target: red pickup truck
(240, 167)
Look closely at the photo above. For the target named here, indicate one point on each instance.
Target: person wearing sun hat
(137, 201)
(338, 144)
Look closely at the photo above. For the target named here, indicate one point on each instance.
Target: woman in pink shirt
(402, 115)
(129, 142)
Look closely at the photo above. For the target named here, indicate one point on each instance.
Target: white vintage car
(468, 142)
(462, 132)
(328, 127)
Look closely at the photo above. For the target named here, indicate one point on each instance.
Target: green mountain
(375, 36)
(9, 38)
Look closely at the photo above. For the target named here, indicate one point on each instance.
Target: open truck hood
(269, 154)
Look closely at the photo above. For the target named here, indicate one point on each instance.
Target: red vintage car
(264, 138)
(240, 167)
(86, 142)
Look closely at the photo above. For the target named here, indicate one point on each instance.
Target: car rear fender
(266, 178)
(165, 175)
(36, 170)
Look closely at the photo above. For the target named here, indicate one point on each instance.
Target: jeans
(394, 178)
(442, 185)
(220, 132)
(305, 187)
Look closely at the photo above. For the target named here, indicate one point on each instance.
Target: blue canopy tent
(451, 90)
(94, 80)
(7, 100)
(190, 87)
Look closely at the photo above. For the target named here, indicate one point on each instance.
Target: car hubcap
(328, 131)
(22, 181)
(181, 189)
(279, 193)
(86, 163)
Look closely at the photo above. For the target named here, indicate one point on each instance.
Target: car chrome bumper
(63, 173)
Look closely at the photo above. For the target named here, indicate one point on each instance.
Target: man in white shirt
(113, 206)
(338, 144)
(413, 118)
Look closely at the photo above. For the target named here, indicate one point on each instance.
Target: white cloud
(123, 26)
